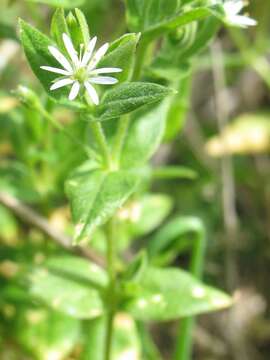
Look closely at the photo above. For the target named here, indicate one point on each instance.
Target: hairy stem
(140, 59)
(120, 137)
(100, 138)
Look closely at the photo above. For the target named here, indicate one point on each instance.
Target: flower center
(81, 74)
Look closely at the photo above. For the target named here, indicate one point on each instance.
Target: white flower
(232, 9)
(80, 71)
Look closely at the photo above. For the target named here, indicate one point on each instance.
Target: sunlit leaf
(170, 293)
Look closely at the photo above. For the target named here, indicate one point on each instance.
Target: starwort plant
(123, 125)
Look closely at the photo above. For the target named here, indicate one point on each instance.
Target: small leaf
(64, 288)
(128, 97)
(150, 211)
(121, 54)
(59, 27)
(95, 195)
(168, 294)
(84, 29)
(35, 46)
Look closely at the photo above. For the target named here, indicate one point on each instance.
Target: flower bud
(28, 97)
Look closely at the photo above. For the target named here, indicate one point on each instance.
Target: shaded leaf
(47, 333)
(144, 136)
(70, 286)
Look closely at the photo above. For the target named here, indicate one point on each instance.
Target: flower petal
(60, 58)
(242, 21)
(233, 7)
(60, 83)
(74, 91)
(56, 70)
(98, 55)
(70, 49)
(106, 70)
(89, 51)
(103, 80)
(92, 92)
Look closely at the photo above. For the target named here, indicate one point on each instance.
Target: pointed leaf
(168, 294)
(121, 54)
(128, 97)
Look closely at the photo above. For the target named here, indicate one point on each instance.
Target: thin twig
(227, 171)
(28, 215)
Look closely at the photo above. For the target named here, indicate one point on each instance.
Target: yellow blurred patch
(248, 134)
(7, 103)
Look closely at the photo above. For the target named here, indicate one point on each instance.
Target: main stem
(102, 142)
(120, 137)
(60, 127)
(111, 295)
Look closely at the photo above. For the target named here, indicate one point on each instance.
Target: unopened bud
(27, 97)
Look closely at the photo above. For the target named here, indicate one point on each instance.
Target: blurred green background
(223, 135)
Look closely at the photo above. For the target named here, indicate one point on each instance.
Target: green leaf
(95, 195)
(144, 136)
(152, 210)
(168, 294)
(35, 46)
(125, 98)
(60, 3)
(46, 333)
(76, 268)
(121, 54)
(59, 27)
(83, 25)
(70, 286)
